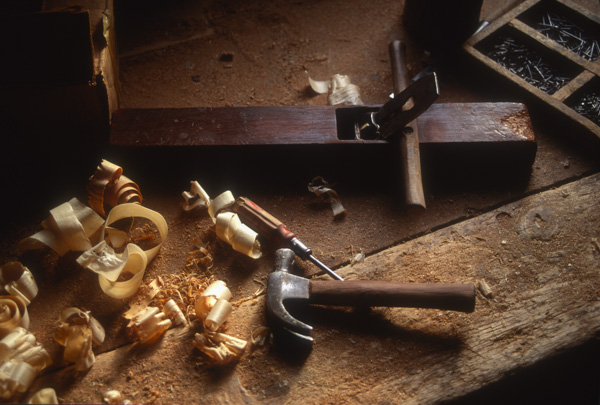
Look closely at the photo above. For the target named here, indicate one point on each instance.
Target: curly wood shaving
(103, 259)
(78, 332)
(21, 359)
(229, 227)
(221, 203)
(13, 314)
(17, 280)
(71, 226)
(44, 396)
(123, 191)
(17, 377)
(261, 336)
(134, 210)
(219, 290)
(217, 315)
(196, 197)
(135, 267)
(174, 313)
(107, 188)
(200, 259)
(21, 345)
(219, 347)
(216, 291)
(109, 265)
(114, 397)
(145, 296)
(359, 257)
(342, 90)
(148, 325)
(321, 188)
(241, 238)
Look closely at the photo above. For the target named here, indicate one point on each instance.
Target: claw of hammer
(284, 286)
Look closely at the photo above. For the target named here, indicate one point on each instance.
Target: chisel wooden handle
(454, 297)
(408, 141)
(262, 222)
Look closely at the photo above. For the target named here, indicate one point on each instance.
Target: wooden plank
(224, 126)
(554, 308)
(445, 123)
(541, 265)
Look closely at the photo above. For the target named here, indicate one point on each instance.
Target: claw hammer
(284, 286)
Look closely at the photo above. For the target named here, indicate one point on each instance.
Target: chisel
(271, 228)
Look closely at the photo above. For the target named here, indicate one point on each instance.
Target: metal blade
(394, 115)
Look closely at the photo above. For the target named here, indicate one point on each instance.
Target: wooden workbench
(533, 241)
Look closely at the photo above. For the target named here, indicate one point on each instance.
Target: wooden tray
(527, 25)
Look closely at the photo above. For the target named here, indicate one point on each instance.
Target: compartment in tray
(586, 101)
(566, 27)
(527, 58)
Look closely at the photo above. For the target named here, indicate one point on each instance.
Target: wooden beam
(542, 300)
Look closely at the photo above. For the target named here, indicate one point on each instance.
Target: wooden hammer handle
(455, 297)
(408, 141)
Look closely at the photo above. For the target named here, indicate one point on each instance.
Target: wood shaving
(173, 312)
(321, 188)
(70, 227)
(17, 280)
(342, 90)
(21, 345)
(229, 227)
(78, 332)
(485, 289)
(261, 336)
(114, 397)
(220, 348)
(44, 396)
(109, 265)
(13, 314)
(241, 238)
(108, 188)
(148, 325)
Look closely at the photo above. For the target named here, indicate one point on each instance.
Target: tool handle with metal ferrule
(270, 227)
(408, 141)
(455, 297)
(262, 222)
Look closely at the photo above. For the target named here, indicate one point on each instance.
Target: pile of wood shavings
(185, 286)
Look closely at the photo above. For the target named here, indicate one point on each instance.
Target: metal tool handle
(408, 141)
(455, 297)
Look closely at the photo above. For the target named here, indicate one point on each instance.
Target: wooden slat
(445, 123)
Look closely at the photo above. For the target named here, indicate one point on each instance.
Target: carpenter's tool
(396, 122)
(392, 118)
(456, 140)
(271, 228)
(284, 286)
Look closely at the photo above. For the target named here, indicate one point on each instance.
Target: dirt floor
(261, 53)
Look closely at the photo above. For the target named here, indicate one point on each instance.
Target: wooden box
(550, 49)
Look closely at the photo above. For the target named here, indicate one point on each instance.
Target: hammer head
(284, 286)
